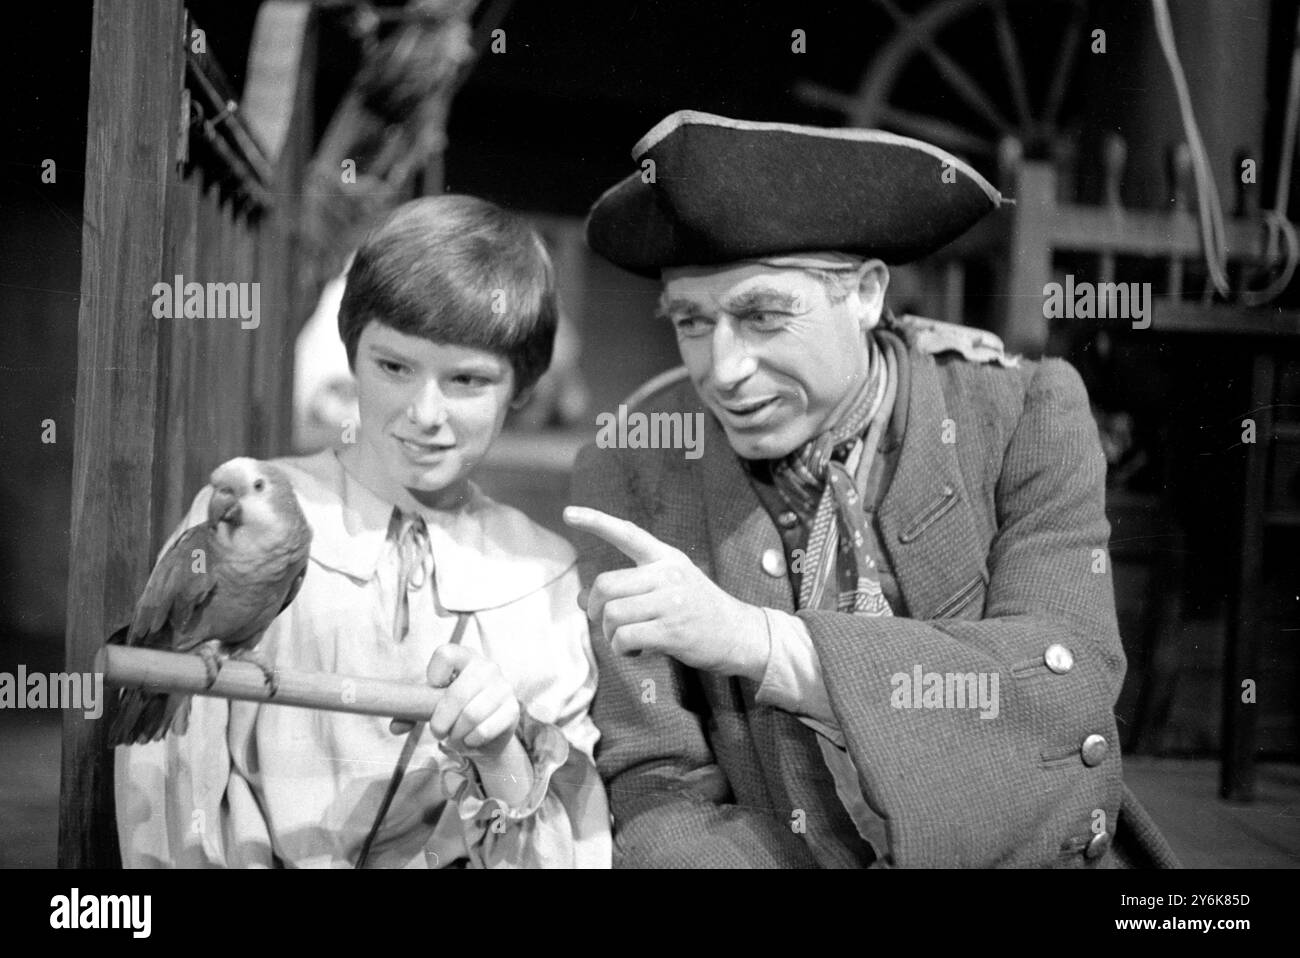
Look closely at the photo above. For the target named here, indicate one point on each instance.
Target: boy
(448, 318)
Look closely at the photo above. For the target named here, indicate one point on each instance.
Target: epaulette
(933, 336)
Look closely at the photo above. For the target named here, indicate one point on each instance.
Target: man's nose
(428, 408)
(732, 362)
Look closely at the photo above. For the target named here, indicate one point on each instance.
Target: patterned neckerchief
(817, 480)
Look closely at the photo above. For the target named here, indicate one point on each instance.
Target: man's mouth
(749, 411)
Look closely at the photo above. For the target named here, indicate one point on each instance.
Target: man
(873, 624)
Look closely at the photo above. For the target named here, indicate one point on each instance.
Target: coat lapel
(926, 521)
(739, 532)
(739, 529)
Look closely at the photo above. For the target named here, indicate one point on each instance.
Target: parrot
(216, 590)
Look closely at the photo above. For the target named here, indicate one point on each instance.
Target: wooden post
(1024, 330)
(135, 86)
(1241, 652)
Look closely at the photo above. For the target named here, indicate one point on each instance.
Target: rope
(1209, 207)
(1278, 224)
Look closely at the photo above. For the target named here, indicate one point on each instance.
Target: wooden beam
(134, 115)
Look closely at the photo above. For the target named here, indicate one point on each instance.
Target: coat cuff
(547, 749)
(793, 679)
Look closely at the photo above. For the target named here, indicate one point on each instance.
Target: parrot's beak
(224, 507)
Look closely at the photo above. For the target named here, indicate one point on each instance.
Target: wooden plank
(135, 83)
(278, 104)
(241, 255)
(172, 499)
(1143, 233)
(1197, 318)
(286, 262)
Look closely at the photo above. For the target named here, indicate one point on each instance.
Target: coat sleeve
(671, 801)
(181, 802)
(1010, 789)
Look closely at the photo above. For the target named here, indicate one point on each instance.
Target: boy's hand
(478, 711)
(476, 716)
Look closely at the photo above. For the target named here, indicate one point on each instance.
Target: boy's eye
(392, 368)
(471, 379)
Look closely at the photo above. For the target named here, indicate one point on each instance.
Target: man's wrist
(756, 648)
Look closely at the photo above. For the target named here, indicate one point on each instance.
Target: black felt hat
(712, 190)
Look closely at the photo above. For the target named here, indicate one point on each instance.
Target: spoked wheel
(936, 81)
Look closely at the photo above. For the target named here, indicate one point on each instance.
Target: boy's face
(429, 412)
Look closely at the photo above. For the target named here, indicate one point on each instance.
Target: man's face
(429, 411)
(768, 350)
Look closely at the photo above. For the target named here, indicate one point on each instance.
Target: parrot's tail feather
(144, 717)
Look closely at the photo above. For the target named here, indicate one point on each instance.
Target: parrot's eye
(259, 485)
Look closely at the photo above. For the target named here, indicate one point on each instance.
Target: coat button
(1058, 658)
(773, 563)
(787, 520)
(1097, 847)
(1093, 750)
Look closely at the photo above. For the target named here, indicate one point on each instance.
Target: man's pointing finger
(629, 538)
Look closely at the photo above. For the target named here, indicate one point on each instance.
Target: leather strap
(403, 760)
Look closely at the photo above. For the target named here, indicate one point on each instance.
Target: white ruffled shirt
(253, 784)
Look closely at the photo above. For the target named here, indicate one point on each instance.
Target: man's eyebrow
(669, 309)
(763, 297)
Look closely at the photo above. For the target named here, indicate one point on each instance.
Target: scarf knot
(815, 481)
(415, 564)
(801, 476)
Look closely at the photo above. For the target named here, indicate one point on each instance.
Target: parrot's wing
(180, 586)
(293, 589)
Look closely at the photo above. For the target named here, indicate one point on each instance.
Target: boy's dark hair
(456, 270)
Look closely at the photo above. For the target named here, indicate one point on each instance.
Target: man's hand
(666, 604)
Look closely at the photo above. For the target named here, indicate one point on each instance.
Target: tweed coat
(998, 540)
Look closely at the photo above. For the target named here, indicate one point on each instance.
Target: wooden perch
(126, 667)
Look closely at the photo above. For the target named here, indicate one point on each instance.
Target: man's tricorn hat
(718, 190)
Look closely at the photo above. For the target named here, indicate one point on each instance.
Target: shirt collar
(485, 554)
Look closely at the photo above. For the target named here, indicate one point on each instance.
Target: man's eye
(392, 368)
(470, 379)
(765, 319)
(691, 326)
